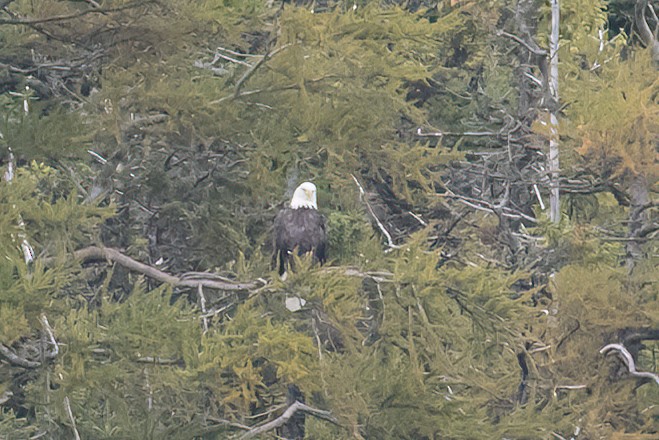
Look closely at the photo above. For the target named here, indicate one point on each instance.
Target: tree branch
(628, 359)
(644, 31)
(282, 419)
(54, 18)
(14, 359)
(97, 253)
(362, 195)
(529, 46)
(482, 205)
(67, 406)
(253, 69)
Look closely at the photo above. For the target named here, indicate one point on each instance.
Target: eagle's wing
(320, 247)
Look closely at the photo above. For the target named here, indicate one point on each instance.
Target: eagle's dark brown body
(303, 229)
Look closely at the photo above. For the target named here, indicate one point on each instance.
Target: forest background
(148, 144)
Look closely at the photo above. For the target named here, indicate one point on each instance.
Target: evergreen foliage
(451, 307)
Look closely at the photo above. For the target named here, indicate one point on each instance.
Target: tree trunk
(639, 201)
(553, 163)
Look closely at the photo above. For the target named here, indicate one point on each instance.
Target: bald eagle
(300, 227)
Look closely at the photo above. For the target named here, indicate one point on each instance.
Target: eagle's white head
(304, 196)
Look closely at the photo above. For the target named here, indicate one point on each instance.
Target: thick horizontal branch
(282, 419)
(14, 359)
(97, 253)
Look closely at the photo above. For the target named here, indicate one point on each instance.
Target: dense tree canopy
(147, 146)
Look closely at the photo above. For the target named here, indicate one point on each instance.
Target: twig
(628, 359)
(482, 205)
(251, 70)
(215, 312)
(257, 91)
(568, 387)
(270, 410)
(49, 330)
(228, 58)
(28, 252)
(362, 195)
(202, 304)
(67, 405)
(377, 276)
(421, 133)
(537, 194)
(419, 219)
(233, 52)
(535, 50)
(282, 419)
(158, 360)
(227, 422)
(149, 400)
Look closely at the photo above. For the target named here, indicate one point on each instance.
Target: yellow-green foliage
(118, 356)
(335, 92)
(236, 357)
(13, 324)
(50, 225)
(612, 112)
(439, 335)
(59, 134)
(348, 233)
(429, 346)
(591, 304)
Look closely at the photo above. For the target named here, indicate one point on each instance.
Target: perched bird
(300, 227)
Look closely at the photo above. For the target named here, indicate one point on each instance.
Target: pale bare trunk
(553, 163)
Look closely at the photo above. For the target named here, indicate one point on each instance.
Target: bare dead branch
(569, 387)
(421, 133)
(55, 18)
(647, 36)
(377, 276)
(202, 304)
(97, 253)
(254, 68)
(67, 406)
(418, 218)
(362, 195)
(158, 360)
(282, 419)
(482, 205)
(628, 359)
(529, 46)
(8, 354)
(256, 92)
(227, 423)
(49, 330)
